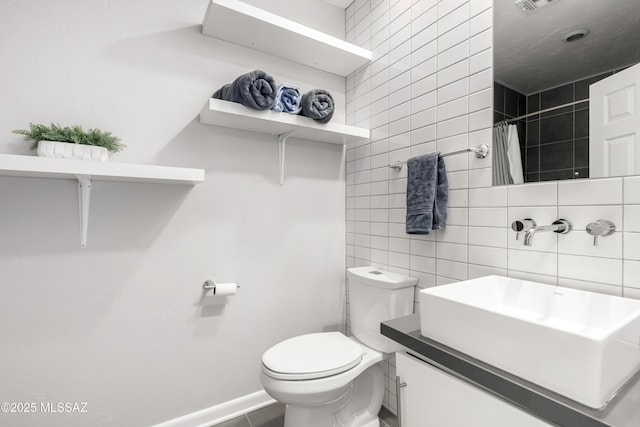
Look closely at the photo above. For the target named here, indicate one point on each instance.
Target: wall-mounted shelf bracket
(282, 143)
(84, 201)
(85, 171)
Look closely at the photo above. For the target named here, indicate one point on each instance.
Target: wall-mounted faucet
(522, 225)
(529, 227)
(602, 227)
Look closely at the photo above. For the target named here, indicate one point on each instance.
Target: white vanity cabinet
(434, 398)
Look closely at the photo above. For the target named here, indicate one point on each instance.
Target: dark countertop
(622, 411)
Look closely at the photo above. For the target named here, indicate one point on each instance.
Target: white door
(433, 398)
(614, 124)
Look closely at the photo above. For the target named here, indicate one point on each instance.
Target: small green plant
(73, 135)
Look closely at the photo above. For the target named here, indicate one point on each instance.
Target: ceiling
(529, 54)
(343, 4)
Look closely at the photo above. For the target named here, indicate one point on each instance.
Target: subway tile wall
(429, 88)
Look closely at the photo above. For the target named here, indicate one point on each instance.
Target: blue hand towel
(318, 105)
(255, 89)
(427, 194)
(288, 99)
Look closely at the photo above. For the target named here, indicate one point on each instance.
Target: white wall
(430, 88)
(123, 324)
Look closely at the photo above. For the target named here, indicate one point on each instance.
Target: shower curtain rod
(541, 111)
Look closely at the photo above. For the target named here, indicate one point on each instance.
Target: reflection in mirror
(566, 91)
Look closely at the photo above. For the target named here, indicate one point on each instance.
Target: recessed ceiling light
(575, 35)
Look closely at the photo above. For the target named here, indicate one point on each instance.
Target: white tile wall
(593, 269)
(429, 88)
(590, 192)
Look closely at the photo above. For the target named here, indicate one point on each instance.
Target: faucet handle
(602, 227)
(522, 225)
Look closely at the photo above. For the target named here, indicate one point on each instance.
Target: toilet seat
(311, 356)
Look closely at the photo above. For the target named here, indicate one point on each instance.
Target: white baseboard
(222, 412)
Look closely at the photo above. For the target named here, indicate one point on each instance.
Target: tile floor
(387, 419)
(273, 416)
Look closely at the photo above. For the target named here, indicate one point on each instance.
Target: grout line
(479, 13)
(623, 229)
(558, 235)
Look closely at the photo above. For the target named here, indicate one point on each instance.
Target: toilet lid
(312, 356)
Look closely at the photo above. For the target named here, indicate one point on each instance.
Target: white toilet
(330, 380)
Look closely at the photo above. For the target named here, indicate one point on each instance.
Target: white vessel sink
(579, 344)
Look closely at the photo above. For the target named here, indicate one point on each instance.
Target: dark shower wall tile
(569, 124)
(556, 96)
(507, 100)
(581, 106)
(556, 156)
(532, 160)
(557, 175)
(522, 132)
(532, 177)
(582, 86)
(522, 104)
(581, 173)
(498, 97)
(556, 128)
(581, 153)
(554, 145)
(582, 124)
(533, 103)
(533, 133)
(507, 103)
(557, 112)
(511, 102)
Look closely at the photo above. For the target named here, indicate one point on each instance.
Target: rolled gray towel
(255, 89)
(318, 105)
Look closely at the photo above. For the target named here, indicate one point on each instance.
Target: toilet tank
(376, 296)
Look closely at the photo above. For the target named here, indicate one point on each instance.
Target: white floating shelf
(249, 26)
(237, 116)
(43, 167)
(85, 171)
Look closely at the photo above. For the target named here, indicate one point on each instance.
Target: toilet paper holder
(210, 284)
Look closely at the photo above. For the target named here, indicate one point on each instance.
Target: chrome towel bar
(481, 151)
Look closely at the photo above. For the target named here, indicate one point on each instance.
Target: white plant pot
(65, 150)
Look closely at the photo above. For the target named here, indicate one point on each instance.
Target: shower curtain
(501, 173)
(507, 163)
(515, 160)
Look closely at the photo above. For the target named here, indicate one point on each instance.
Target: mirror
(547, 56)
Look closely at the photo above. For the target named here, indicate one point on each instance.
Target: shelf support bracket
(282, 142)
(84, 201)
